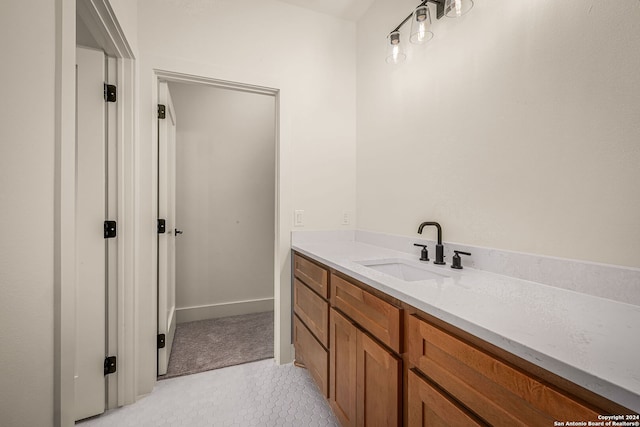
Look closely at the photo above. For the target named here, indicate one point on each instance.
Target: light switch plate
(346, 218)
(298, 218)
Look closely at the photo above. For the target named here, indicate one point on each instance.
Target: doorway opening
(217, 203)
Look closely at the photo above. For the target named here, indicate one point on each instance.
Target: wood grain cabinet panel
(494, 390)
(313, 275)
(312, 355)
(378, 374)
(365, 378)
(312, 310)
(429, 407)
(342, 366)
(453, 378)
(378, 317)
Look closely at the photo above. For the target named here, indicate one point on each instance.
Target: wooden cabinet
(342, 369)
(360, 343)
(365, 377)
(491, 388)
(376, 325)
(311, 353)
(311, 319)
(427, 406)
(312, 275)
(312, 310)
(378, 384)
(375, 315)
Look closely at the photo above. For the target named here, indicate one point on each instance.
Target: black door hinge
(109, 229)
(110, 365)
(109, 93)
(161, 341)
(162, 111)
(162, 226)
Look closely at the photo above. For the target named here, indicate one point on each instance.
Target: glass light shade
(456, 8)
(395, 52)
(420, 24)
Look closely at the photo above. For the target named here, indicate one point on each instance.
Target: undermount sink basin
(403, 270)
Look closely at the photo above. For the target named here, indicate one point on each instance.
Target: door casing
(100, 20)
(172, 76)
(166, 241)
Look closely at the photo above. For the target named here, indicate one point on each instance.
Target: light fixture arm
(439, 12)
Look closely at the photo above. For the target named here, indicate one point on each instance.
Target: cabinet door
(377, 384)
(428, 407)
(311, 354)
(342, 369)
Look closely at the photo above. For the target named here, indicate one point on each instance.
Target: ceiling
(350, 10)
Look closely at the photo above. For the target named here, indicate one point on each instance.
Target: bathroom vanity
(390, 340)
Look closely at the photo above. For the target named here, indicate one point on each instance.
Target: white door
(90, 241)
(166, 240)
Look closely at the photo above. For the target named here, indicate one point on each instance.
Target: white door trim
(101, 21)
(282, 344)
(166, 241)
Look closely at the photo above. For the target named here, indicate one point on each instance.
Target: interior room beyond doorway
(225, 208)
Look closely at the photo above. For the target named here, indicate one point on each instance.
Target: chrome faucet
(439, 248)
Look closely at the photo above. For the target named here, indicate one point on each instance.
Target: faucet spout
(439, 248)
(435, 224)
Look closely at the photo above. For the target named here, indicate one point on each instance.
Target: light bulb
(457, 8)
(395, 52)
(420, 22)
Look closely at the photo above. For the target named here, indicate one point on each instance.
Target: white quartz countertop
(591, 341)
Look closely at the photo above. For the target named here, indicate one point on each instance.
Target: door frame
(166, 241)
(282, 341)
(101, 21)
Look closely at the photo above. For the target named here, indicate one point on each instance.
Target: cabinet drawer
(378, 317)
(312, 354)
(312, 275)
(499, 393)
(312, 310)
(427, 406)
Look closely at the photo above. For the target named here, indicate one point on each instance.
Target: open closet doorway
(223, 228)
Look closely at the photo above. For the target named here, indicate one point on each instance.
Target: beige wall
(310, 56)
(225, 197)
(26, 212)
(127, 13)
(516, 128)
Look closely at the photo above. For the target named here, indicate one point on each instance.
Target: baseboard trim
(213, 311)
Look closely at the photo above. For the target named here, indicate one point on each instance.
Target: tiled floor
(254, 394)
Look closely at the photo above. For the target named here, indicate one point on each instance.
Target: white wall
(127, 15)
(225, 200)
(309, 58)
(26, 211)
(516, 128)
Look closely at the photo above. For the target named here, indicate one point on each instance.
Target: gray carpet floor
(216, 343)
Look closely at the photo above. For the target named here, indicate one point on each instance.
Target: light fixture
(421, 23)
(457, 8)
(395, 53)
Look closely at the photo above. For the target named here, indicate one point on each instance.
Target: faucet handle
(424, 254)
(456, 262)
